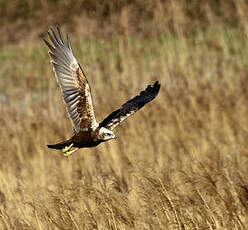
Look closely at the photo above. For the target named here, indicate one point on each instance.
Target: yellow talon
(68, 153)
(67, 148)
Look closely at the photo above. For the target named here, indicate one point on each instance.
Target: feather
(72, 81)
(131, 106)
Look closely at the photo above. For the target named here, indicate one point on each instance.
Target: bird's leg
(67, 148)
(69, 152)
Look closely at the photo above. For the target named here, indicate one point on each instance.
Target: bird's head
(106, 134)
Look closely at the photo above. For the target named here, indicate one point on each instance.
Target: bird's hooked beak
(114, 137)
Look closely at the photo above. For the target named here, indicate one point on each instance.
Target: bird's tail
(60, 145)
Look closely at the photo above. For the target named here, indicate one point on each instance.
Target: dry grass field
(179, 163)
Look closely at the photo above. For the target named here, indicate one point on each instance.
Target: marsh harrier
(87, 132)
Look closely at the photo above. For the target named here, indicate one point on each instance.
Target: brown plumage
(77, 97)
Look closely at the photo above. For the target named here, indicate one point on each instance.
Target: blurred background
(179, 163)
(107, 19)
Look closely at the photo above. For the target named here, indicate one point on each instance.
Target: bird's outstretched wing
(131, 106)
(72, 81)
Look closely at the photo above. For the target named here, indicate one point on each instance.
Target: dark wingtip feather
(49, 45)
(157, 86)
(52, 39)
(60, 35)
(68, 41)
(152, 91)
(55, 36)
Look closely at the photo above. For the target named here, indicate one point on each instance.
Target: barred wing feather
(72, 81)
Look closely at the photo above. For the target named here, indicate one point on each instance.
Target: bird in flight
(87, 132)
